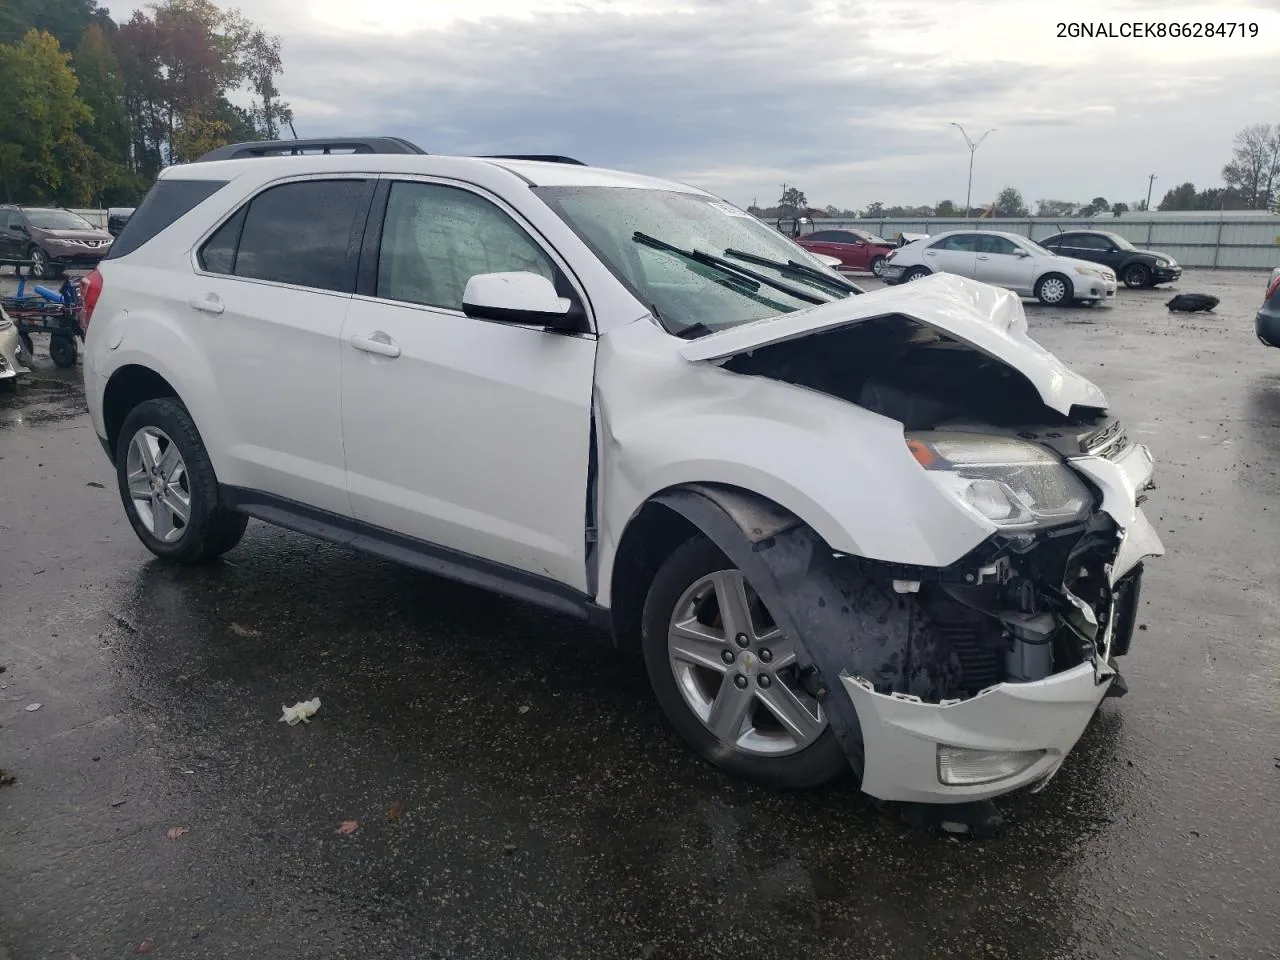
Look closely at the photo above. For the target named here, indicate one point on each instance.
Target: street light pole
(1151, 182)
(973, 148)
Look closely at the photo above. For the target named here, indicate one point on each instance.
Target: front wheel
(728, 679)
(1137, 276)
(1054, 290)
(915, 273)
(877, 266)
(168, 486)
(41, 267)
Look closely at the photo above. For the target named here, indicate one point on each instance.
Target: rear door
(468, 434)
(272, 287)
(954, 254)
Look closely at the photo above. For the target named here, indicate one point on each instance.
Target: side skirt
(418, 554)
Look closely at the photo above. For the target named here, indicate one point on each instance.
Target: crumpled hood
(986, 318)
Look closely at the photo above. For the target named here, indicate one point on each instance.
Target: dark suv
(1136, 268)
(52, 238)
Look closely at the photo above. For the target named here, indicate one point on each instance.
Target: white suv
(1004, 260)
(885, 530)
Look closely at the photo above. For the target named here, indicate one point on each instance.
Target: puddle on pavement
(36, 398)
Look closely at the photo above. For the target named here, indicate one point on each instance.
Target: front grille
(1109, 442)
(976, 640)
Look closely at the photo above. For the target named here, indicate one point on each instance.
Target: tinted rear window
(164, 203)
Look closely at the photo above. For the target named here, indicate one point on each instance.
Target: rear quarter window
(164, 203)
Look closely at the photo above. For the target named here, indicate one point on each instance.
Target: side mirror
(520, 297)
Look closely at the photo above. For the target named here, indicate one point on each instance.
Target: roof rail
(544, 158)
(322, 145)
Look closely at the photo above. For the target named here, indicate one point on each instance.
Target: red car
(855, 249)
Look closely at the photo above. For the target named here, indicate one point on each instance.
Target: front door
(473, 435)
(265, 310)
(1001, 263)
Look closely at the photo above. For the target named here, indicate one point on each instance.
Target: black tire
(816, 764)
(45, 270)
(1137, 275)
(62, 350)
(915, 273)
(1043, 283)
(877, 266)
(27, 353)
(212, 529)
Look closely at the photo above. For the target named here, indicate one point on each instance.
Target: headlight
(1090, 272)
(1162, 262)
(1014, 484)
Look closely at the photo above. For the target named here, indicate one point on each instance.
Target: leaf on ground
(33, 707)
(146, 946)
(7, 779)
(240, 631)
(347, 827)
(95, 483)
(394, 811)
(173, 833)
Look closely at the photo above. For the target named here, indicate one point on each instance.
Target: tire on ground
(212, 528)
(819, 763)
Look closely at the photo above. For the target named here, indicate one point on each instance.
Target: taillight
(1271, 290)
(90, 291)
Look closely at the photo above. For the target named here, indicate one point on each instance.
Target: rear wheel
(1053, 290)
(1137, 276)
(728, 679)
(915, 273)
(168, 486)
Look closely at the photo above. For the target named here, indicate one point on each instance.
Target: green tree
(65, 19)
(1181, 197)
(1055, 208)
(1010, 203)
(45, 158)
(874, 210)
(102, 90)
(946, 208)
(793, 201)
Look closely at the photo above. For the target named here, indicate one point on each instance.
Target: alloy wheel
(158, 484)
(1053, 290)
(736, 670)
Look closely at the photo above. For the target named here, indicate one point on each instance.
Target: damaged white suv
(885, 530)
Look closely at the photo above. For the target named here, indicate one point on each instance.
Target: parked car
(1137, 268)
(117, 217)
(881, 530)
(10, 348)
(52, 238)
(1004, 260)
(1267, 323)
(855, 249)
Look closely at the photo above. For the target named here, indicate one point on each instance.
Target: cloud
(849, 99)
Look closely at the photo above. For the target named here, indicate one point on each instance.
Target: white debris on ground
(33, 707)
(301, 711)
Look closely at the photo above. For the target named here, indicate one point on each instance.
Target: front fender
(846, 472)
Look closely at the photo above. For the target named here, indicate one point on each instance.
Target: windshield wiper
(725, 266)
(797, 269)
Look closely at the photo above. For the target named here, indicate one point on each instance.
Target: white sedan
(1003, 260)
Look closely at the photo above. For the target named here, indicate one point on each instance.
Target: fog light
(961, 767)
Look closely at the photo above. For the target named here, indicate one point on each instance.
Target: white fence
(1239, 242)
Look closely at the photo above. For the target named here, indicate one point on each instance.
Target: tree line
(91, 110)
(1250, 181)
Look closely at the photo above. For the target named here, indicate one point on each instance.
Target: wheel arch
(657, 528)
(127, 387)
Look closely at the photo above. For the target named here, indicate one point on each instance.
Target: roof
(534, 172)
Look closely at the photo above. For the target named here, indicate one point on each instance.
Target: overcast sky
(850, 100)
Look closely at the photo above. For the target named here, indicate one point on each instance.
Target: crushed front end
(1024, 635)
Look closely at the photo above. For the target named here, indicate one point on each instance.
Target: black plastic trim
(538, 157)
(419, 554)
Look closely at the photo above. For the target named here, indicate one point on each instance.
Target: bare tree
(1254, 170)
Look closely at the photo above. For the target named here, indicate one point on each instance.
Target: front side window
(435, 238)
(301, 233)
(683, 256)
(996, 245)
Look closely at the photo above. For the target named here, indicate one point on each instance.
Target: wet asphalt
(516, 791)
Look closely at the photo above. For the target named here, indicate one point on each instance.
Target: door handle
(983, 257)
(377, 343)
(210, 304)
(930, 253)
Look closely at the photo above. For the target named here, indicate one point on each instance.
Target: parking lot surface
(517, 793)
